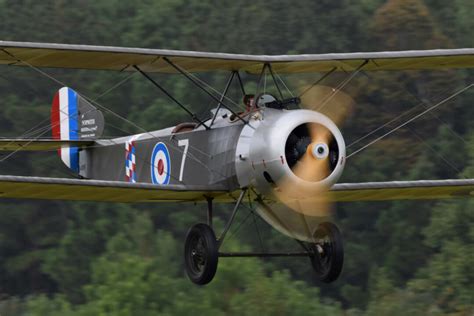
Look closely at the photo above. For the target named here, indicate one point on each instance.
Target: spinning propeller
(333, 103)
(313, 163)
(312, 154)
(320, 150)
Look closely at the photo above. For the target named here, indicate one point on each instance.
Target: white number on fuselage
(181, 143)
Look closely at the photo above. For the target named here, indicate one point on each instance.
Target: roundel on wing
(160, 164)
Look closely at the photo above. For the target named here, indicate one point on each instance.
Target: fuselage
(234, 153)
(169, 156)
(230, 156)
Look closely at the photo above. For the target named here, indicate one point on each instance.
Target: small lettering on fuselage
(88, 129)
(88, 122)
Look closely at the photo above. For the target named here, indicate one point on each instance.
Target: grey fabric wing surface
(402, 190)
(107, 191)
(153, 60)
(17, 144)
(117, 191)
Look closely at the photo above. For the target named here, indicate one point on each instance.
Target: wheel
(328, 250)
(201, 254)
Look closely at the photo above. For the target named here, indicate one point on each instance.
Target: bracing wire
(420, 103)
(218, 93)
(436, 152)
(412, 119)
(95, 102)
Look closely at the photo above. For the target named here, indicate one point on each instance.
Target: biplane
(283, 158)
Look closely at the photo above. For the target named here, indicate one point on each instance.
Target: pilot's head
(249, 101)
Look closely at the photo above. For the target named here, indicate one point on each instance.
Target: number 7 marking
(185, 143)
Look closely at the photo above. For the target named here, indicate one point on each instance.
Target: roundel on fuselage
(160, 164)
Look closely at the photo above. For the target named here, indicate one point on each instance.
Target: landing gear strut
(201, 250)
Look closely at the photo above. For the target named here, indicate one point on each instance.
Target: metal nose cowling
(293, 157)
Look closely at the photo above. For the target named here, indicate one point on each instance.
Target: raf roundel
(160, 164)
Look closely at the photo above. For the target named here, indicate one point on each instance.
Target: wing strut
(194, 117)
(240, 82)
(274, 80)
(219, 105)
(200, 86)
(263, 76)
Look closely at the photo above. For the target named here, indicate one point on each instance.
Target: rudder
(74, 118)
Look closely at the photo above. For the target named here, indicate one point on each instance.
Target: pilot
(249, 102)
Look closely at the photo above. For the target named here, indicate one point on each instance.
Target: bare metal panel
(151, 60)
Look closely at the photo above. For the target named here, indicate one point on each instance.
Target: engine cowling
(269, 156)
(270, 153)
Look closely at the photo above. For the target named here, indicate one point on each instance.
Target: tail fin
(73, 118)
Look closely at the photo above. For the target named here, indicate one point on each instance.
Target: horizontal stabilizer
(16, 144)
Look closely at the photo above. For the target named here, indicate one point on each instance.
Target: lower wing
(19, 187)
(35, 144)
(402, 190)
(116, 191)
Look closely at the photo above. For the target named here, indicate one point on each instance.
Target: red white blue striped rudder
(73, 118)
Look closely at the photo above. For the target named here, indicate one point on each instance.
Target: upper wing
(402, 190)
(106, 191)
(152, 60)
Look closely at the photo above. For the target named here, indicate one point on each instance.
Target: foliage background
(413, 258)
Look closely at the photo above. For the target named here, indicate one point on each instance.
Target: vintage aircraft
(283, 159)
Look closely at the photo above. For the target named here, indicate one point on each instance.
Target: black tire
(201, 254)
(328, 263)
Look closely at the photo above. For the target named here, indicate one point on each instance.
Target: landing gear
(201, 254)
(327, 253)
(201, 250)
